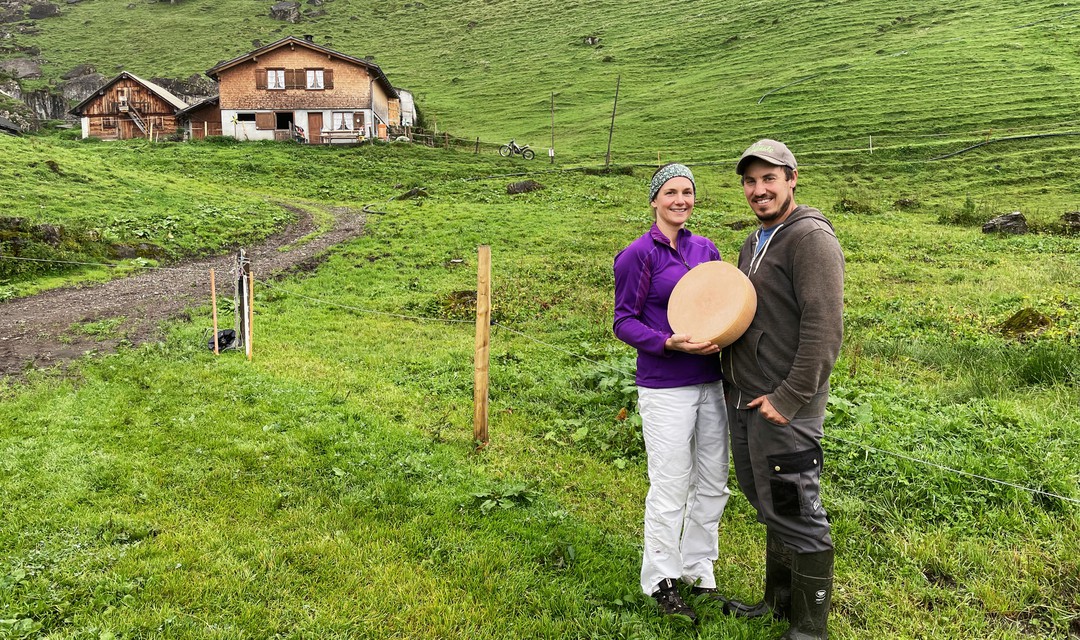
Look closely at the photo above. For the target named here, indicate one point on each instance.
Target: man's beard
(766, 219)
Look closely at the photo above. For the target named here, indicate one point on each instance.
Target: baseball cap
(771, 151)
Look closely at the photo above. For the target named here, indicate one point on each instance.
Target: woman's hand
(681, 342)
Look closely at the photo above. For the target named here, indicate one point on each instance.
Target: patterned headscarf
(667, 172)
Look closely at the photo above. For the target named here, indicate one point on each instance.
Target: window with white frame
(342, 121)
(315, 79)
(275, 78)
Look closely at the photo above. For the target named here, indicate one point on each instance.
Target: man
(777, 384)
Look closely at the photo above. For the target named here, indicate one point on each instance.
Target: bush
(968, 215)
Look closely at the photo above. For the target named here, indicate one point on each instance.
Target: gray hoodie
(790, 348)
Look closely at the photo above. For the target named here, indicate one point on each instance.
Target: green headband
(674, 170)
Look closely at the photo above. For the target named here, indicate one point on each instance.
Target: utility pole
(551, 150)
(607, 161)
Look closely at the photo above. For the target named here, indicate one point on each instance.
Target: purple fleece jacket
(645, 273)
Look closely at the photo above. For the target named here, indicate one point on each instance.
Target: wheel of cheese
(714, 302)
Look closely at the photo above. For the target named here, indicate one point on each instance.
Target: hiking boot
(709, 594)
(777, 601)
(811, 596)
(670, 602)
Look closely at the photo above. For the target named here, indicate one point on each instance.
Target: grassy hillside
(699, 78)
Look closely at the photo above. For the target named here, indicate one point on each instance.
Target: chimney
(309, 38)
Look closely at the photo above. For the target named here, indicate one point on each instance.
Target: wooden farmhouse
(296, 89)
(129, 107)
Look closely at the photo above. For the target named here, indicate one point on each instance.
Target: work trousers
(779, 471)
(686, 439)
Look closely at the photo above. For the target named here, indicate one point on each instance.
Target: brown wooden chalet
(296, 89)
(129, 107)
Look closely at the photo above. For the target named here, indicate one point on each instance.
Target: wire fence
(555, 347)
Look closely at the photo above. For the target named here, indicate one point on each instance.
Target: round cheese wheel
(714, 302)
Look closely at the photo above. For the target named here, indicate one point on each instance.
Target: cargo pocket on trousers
(794, 478)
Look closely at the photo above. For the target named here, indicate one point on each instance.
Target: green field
(330, 488)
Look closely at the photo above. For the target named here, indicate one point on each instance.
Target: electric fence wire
(106, 265)
(952, 470)
(578, 356)
(630, 374)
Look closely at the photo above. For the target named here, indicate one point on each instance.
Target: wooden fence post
(477, 152)
(242, 303)
(213, 305)
(483, 347)
(551, 149)
(250, 310)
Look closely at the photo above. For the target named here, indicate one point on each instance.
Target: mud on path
(43, 331)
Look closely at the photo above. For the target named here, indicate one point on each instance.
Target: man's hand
(681, 342)
(768, 412)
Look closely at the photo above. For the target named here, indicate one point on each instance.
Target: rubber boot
(777, 599)
(811, 595)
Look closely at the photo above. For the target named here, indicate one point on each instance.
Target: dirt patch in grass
(36, 332)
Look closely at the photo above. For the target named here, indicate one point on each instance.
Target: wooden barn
(129, 107)
(296, 89)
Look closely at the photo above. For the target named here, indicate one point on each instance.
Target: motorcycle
(512, 148)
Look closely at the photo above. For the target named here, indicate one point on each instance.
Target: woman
(680, 398)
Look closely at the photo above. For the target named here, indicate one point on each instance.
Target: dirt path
(43, 330)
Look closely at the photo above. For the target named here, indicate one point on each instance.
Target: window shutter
(328, 78)
(295, 78)
(260, 78)
(265, 121)
(358, 120)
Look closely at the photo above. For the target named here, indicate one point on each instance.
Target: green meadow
(331, 487)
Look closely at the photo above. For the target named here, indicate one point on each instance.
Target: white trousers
(686, 440)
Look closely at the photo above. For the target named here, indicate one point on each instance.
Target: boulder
(77, 88)
(194, 89)
(1014, 222)
(21, 68)
(1025, 322)
(415, 192)
(43, 10)
(286, 11)
(525, 186)
(79, 71)
(1071, 220)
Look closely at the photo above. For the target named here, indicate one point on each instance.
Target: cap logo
(768, 148)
